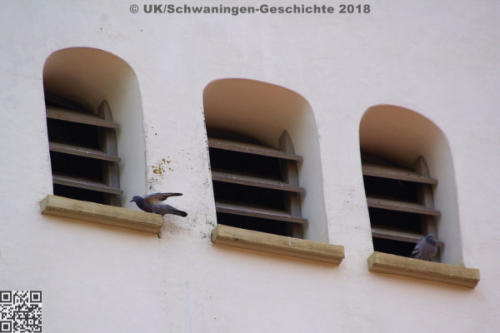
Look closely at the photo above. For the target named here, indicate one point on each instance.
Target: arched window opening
(409, 182)
(265, 161)
(95, 127)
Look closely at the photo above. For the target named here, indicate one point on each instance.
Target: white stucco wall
(437, 58)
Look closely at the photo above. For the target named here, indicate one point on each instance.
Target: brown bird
(152, 203)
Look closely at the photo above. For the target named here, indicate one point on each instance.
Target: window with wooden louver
(256, 187)
(400, 204)
(83, 151)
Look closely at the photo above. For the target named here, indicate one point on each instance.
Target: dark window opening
(390, 189)
(252, 223)
(73, 133)
(66, 103)
(398, 221)
(221, 133)
(76, 166)
(80, 194)
(247, 164)
(250, 196)
(392, 246)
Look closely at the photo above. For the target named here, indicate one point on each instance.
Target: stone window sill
(420, 269)
(94, 212)
(282, 245)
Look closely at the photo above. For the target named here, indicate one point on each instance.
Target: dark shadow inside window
(251, 223)
(393, 246)
(249, 196)
(246, 164)
(394, 220)
(390, 189)
(80, 194)
(74, 134)
(76, 166)
(65, 103)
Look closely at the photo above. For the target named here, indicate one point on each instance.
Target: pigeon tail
(177, 212)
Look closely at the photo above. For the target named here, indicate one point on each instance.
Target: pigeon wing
(418, 248)
(167, 209)
(156, 198)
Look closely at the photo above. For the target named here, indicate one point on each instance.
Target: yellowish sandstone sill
(94, 212)
(288, 246)
(420, 269)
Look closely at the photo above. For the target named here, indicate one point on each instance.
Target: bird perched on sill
(152, 203)
(426, 248)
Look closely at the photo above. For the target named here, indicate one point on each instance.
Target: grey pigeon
(152, 203)
(426, 248)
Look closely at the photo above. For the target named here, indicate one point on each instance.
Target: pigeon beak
(131, 200)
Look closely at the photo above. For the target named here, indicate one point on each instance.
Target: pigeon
(152, 203)
(426, 248)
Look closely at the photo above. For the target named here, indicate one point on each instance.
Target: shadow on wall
(263, 111)
(89, 76)
(402, 135)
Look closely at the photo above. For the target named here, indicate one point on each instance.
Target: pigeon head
(430, 239)
(135, 198)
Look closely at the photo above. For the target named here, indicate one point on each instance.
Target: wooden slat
(397, 235)
(290, 174)
(269, 214)
(82, 151)
(251, 149)
(233, 178)
(401, 206)
(84, 183)
(396, 173)
(75, 117)
(109, 142)
(425, 197)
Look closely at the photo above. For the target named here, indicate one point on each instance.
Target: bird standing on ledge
(152, 203)
(426, 248)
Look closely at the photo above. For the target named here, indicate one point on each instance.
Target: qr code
(20, 311)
